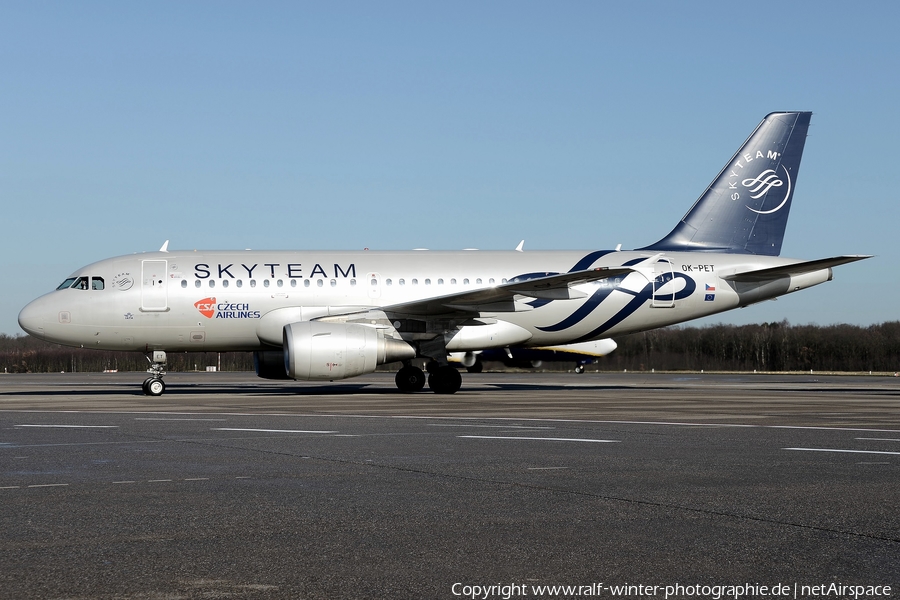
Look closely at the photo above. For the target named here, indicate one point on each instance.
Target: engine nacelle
(326, 351)
(269, 364)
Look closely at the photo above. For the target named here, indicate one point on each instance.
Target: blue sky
(396, 125)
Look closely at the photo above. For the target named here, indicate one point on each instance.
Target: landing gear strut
(154, 385)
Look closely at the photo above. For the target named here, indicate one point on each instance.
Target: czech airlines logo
(760, 185)
(211, 309)
(207, 307)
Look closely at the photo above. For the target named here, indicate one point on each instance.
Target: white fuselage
(241, 300)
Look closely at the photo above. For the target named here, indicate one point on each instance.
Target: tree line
(763, 347)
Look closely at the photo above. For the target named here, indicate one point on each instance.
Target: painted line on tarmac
(845, 451)
(538, 439)
(73, 426)
(270, 430)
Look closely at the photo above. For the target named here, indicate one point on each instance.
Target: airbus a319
(324, 315)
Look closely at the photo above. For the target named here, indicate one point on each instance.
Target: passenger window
(306, 283)
(453, 281)
(440, 282)
(252, 283)
(352, 282)
(224, 283)
(239, 283)
(184, 283)
(319, 282)
(415, 281)
(333, 282)
(402, 282)
(212, 283)
(265, 283)
(466, 281)
(280, 283)
(66, 284)
(197, 283)
(387, 281)
(427, 282)
(97, 283)
(293, 283)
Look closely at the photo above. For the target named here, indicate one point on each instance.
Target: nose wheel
(154, 385)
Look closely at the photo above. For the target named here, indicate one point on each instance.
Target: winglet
(165, 247)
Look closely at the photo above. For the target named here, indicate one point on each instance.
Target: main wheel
(145, 384)
(410, 379)
(155, 386)
(478, 367)
(445, 380)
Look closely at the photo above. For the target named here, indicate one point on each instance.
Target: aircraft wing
(501, 298)
(794, 269)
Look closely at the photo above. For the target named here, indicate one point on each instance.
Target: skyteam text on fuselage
(323, 315)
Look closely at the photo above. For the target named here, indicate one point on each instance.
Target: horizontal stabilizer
(794, 269)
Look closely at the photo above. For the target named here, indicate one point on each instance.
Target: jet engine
(326, 351)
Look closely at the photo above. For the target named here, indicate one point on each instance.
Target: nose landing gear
(154, 385)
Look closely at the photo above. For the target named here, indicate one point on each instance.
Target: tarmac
(613, 484)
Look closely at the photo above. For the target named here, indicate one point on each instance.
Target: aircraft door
(663, 285)
(154, 297)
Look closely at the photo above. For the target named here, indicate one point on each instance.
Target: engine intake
(326, 351)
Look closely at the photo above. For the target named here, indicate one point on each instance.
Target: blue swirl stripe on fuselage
(581, 265)
(639, 299)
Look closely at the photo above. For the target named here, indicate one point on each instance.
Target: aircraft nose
(31, 318)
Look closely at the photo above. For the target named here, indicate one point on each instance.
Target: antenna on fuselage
(165, 247)
(520, 246)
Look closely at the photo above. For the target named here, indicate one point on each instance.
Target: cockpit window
(66, 284)
(80, 284)
(97, 283)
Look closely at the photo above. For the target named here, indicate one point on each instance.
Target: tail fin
(745, 209)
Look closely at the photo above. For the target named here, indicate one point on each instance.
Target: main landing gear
(154, 385)
(442, 379)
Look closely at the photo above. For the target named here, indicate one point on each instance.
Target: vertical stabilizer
(745, 209)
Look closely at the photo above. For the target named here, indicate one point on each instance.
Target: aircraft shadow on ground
(346, 389)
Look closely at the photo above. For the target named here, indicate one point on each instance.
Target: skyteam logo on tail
(760, 185)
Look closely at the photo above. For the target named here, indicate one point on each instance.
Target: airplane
(327, 315)
(582, 354)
